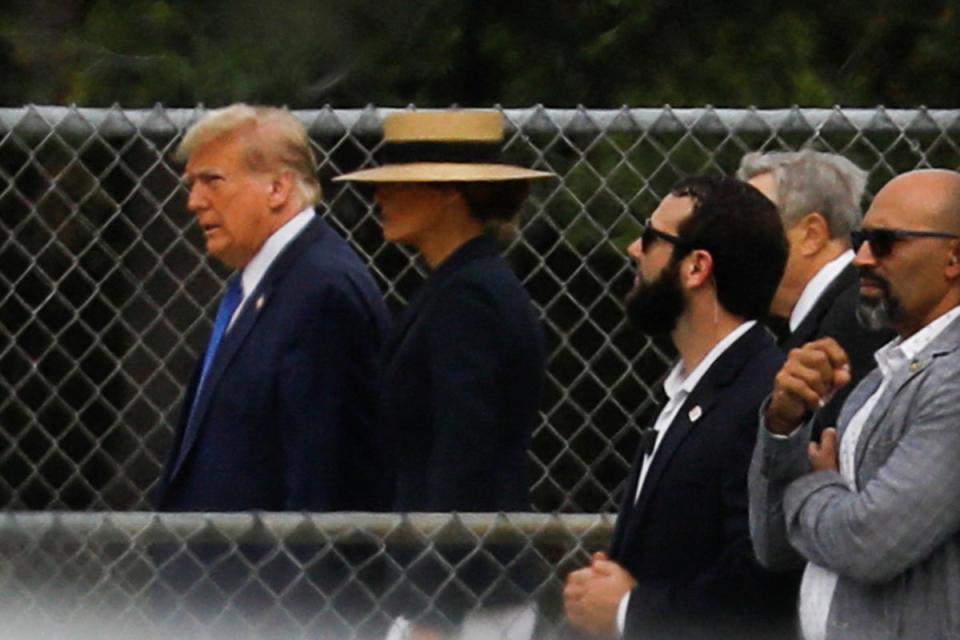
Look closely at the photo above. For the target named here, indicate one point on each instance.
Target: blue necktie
(228, 305)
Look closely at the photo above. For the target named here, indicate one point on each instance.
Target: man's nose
(864, 256)
(195, 199)
(635, 250)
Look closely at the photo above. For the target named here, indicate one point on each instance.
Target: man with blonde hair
(279, 413)
(818, 195)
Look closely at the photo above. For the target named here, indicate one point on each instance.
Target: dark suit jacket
(463, 374)
(834, 315)
(461, 392)
(287, 413)
(686, 540)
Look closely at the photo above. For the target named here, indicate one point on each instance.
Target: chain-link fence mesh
(106, 298)
(141, 575)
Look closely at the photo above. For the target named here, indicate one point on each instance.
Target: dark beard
(654, 308)
(882, 312)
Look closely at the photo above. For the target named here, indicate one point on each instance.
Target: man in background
(818, 195)
(681, 564)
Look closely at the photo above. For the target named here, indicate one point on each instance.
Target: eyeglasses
(882, 240)
(650, 235)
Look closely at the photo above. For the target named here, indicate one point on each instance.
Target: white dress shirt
(818, 585)
(817, 285)
(253, 273)
(677, 388)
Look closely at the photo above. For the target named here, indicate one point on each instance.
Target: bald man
(874, 507)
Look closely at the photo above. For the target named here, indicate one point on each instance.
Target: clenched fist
(808, 379)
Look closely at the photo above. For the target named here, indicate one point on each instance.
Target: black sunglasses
(882, 240)
(650, 235)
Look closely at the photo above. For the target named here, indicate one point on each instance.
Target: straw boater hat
(442, 146)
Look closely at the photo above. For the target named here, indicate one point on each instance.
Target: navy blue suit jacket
(686, 540)
(287, 415)
(463, 373)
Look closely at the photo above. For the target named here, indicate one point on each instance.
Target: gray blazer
(895, 542)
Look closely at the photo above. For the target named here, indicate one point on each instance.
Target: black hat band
(459, 152)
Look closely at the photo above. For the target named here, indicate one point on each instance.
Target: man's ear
(280, 189)
(952, 268)
(813, 234)
(697, 268)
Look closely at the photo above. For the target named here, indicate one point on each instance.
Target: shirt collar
(254, 271)
(898, 352)
(817, 285)
(677, 383)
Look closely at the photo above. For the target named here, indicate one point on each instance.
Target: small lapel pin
(915, 365)
(262, 300)
(695, 413)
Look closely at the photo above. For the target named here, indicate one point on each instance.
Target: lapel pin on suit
(262, 300)
(695, 413)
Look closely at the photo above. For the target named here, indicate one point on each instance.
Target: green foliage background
(603, 53)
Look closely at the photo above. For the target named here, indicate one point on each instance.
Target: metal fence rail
(279, 575)
(106, 299)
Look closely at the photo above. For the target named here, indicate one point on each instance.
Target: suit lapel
(258, 300)
(405, 321)
(857, 398)
(694, 412)
(703, 396)
(630, 492)
(946, 342)
(880, 409)
(807, 329)
(475, 249)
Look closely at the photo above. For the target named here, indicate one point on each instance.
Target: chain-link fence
(106, 298)
(142, 575)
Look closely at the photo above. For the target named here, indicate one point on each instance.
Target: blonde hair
(275, 140)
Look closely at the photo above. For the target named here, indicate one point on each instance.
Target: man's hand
(806, 382)
(824, 456)
(593, 594)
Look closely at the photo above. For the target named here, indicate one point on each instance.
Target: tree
(601, 53)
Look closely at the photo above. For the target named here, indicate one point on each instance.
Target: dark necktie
(648, 440)
(648, 436)
(228, 305)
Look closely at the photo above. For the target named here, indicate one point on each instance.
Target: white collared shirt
(817, 285)
(253, 273)
(677, 388)
(818, 585)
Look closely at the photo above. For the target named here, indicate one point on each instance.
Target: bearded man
(681, 563)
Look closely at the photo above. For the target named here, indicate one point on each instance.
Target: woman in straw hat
(463, 366)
